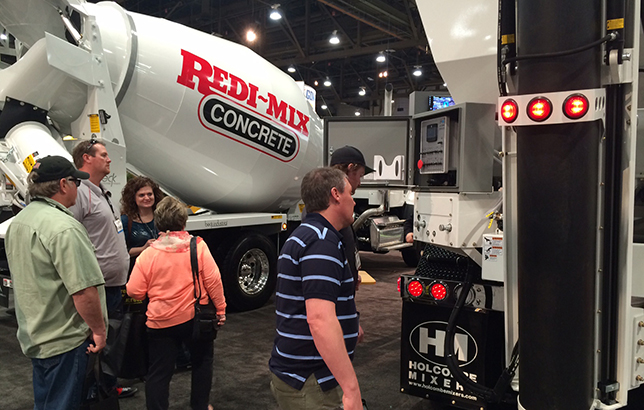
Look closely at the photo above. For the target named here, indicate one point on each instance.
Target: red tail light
(539, 109)
(415, 288)
(509, 110)
(575, 106)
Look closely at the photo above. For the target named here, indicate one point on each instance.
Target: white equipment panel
(454, 219)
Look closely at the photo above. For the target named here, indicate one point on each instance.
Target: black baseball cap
(349, 155)
(54, 167)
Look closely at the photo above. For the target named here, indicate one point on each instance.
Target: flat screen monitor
(436, 103)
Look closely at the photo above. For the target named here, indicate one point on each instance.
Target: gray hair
(316, 187)
(170, 215)
(43, 189)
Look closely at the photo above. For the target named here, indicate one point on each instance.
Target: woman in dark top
(139, 199)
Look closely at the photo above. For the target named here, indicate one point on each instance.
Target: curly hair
(128, 195)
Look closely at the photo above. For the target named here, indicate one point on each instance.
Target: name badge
(119, 225)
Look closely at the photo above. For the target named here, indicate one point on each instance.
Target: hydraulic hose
(495, 395)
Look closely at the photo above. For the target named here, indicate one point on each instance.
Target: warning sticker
(29, 162)
(492, 248)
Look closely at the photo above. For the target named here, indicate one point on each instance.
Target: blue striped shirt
(312, 265)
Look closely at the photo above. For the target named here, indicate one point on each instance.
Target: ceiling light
(251, 36)
(291, 69)
(383, 74)
(3, 36)
(315, 83)
(362, 91)
(275, 14)
(381, 57)
(417, 71)
(357, 113)
(334, 39)
(444, 84)
(327, 83)
(323, 106)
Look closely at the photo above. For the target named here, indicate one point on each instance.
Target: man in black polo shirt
(317, 322)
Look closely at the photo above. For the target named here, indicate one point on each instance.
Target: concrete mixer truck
(211, 121)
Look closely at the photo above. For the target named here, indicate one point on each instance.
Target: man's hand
(221, 320)
(99, 343)
(409, 238)
(360, 334)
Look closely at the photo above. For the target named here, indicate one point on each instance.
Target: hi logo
(428, 341)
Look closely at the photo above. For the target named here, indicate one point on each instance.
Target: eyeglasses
(92, 142)
(74, 180)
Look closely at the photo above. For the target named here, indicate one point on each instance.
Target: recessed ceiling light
(357, 113)
(327, 83)
(291, 69)
(381, 57)
(323, 106)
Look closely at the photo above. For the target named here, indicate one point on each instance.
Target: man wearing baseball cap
(351, 161)
(58, 286)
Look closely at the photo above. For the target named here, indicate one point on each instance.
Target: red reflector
(420, 164)
(509, 110)
(415, 288)
(438, 291)
(399, 284)
(539, 109)
(575, 106)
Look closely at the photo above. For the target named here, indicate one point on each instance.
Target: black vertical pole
(557, 178)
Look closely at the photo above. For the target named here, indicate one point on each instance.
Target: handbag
(205, 321)
(126, 352)
(103, 399)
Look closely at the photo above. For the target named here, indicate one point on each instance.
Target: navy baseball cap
(349, 155)
(55, 167)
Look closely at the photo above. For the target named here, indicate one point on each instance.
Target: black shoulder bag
(205, 321)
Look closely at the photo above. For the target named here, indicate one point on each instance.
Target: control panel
(434, 146)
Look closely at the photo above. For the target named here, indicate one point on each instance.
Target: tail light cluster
(553, 108)
(436, 290)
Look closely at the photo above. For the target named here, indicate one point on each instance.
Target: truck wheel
(249, 272)
(411, 256)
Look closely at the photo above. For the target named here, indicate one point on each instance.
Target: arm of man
(88, 305)
(329, 340)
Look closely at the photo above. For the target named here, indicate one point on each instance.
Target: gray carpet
(243, 348)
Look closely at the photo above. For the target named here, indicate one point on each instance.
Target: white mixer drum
(209, 120)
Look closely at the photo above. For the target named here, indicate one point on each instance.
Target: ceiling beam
(355, 16)
(335, 55)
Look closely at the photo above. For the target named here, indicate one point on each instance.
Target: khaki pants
(311, 397)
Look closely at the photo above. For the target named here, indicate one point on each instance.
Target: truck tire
(411, 256)
(249, 272)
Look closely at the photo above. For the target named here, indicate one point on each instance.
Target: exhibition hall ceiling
(300, 39)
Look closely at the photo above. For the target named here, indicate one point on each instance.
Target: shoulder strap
(195, 268)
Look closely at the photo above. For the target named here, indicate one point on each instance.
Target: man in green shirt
(58, 286)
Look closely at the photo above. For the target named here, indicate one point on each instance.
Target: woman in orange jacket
(163, 273)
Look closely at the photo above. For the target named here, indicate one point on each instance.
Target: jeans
(58, 380)
(164, 345)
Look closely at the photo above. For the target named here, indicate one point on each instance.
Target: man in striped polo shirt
(317, 321)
